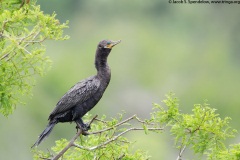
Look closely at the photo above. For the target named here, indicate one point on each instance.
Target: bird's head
(107, 44)
(103, 50)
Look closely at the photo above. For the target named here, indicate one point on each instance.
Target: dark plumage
(84, 95)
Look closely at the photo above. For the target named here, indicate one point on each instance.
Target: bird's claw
(87, 126)
(84, 128)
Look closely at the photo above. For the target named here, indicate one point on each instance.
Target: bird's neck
(103, 70)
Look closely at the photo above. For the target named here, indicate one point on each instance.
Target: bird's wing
(79, 93)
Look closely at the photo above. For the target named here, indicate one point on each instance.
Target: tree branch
(118, 124)
(114, 138)
(71, 143)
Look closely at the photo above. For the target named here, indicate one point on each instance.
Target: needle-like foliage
(22, 33)
(202, 131)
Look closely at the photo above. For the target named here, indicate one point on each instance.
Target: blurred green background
(192, 50)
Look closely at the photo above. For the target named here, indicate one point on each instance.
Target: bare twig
(4, 56)
(181, 152)
(100, 120)
(113, 139)
(182, 148)
(92, 120)
(118, 124)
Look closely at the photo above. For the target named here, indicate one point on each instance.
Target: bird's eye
(108, 43)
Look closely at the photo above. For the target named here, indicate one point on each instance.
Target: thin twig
(181, 152)
(118, 124)
(3, 25)
(182, 148)
(92, 120)
(113, 139)
(100, 120)
(17, 71)
(26, 37)
(35, 36)
(121, 157)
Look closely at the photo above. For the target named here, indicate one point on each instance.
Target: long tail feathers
(45, 133)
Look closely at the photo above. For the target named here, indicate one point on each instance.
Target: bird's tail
(45, 133)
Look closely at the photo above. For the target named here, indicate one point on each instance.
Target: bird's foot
(84, 128)
(87, 126)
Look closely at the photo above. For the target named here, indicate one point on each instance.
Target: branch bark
(70, 144)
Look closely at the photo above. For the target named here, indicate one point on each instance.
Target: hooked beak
(112, 44)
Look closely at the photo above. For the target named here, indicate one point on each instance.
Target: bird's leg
(83, 126)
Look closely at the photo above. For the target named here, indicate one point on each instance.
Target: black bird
(84, 95)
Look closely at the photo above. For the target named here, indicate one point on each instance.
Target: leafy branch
(201, 131)
(22, 33)
(110, 134)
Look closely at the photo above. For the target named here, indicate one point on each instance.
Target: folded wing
(78, 94)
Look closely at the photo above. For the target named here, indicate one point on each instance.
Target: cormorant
(84, 95)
